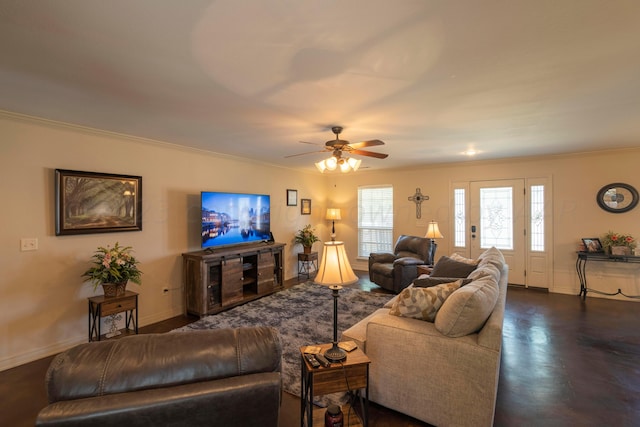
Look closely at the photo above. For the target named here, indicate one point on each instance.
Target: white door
(497, 217)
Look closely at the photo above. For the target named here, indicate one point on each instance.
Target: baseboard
(50, 350)
(40, 353)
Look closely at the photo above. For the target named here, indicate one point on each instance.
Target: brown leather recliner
(395, 271)
(211, 377)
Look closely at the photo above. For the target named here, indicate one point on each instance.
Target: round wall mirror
(617, 197)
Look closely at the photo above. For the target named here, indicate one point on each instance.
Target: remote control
(323, 360)
(312, 360)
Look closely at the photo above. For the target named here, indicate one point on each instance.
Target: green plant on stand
(306, 237)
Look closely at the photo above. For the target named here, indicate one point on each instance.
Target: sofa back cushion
(423, 303)
(468, 308)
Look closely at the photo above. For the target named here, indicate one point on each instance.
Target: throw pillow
(447, 267)
(456, 257)
(423, 303)
(468, 308)
(427, 282)
(393, 300)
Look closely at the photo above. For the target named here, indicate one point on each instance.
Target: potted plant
(618, 244)
(306, 237)
(113, 268)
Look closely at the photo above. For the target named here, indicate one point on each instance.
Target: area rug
(303, 315)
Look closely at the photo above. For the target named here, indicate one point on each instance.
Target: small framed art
(305, 206)
(592, 244)
(292, 197)
(93, 202)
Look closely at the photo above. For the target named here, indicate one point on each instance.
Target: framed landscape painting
(93, 202)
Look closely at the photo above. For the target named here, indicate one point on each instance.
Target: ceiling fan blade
(306, 142)
(364, 144)
(369, 154)
(302, 154)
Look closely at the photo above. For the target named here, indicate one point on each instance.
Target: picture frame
(305, 206)
(292, 197)
(592, 244)
(95, 202)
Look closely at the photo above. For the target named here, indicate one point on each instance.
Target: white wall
(576, 181)
(43, 306)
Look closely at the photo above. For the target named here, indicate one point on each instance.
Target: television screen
(234, 218)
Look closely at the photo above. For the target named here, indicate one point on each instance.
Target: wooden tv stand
(218, 279)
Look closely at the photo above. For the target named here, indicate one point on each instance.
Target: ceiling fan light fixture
(354, 163)
(321, 165)
(331, 163)
(344, 166)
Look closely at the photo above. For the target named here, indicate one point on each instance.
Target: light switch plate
(29, 244)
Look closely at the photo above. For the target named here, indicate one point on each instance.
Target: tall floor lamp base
(335, 354)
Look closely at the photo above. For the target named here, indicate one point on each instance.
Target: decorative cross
(418, 198)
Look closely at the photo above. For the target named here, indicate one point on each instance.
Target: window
(496, 218)
(460, 223)
(375, 220)
(537, 218)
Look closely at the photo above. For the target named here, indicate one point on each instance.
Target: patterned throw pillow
(457, 257)
(423, 303)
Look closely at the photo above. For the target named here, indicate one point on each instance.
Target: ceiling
(253, 78)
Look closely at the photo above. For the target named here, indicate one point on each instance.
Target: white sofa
(443, 372)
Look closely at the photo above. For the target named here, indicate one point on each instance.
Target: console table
(581, 268)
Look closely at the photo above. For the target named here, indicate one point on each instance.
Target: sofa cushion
(423, 303)
(468, 308)
(447, 267)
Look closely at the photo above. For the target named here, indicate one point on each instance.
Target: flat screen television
(234, 218)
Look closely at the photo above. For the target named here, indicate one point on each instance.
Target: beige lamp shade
(433, 232)
(333, 214)
(335, 268)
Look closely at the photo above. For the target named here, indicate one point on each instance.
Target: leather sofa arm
(407, 260)
(381, 257)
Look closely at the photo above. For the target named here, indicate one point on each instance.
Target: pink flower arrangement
(113, 265)
(617, 239)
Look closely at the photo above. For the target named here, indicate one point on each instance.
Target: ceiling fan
(339, 146)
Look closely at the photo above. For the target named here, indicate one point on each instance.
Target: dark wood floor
(565, 362)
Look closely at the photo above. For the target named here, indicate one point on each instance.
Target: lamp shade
(321, 165)
(333, 214)
(433, 232)
(335, 268)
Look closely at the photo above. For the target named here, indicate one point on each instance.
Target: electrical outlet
(28, 244)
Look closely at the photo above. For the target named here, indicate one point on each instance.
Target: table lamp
(334, 215)
(433, 232)
(335, 271)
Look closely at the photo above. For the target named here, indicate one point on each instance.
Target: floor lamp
(433, 232)
(335, 271)
(333, 214)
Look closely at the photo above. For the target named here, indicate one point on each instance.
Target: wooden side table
(350, 375)
(307, 263)
(425, 269)
(101, 307)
